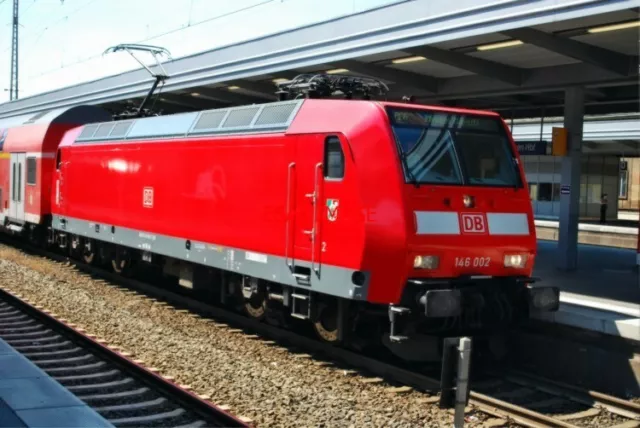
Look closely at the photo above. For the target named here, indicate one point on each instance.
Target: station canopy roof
(512, 57)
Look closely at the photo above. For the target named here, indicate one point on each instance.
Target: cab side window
(333, 158)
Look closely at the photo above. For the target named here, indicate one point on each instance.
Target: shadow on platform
(603, 273)
(596, 328)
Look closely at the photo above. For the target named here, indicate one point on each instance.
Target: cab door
(18, 173)
(305, 185)
(336, 220)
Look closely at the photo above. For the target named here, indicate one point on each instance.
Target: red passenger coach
(28, 146)
(370, 219)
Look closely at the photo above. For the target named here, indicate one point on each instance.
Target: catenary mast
(13, 87)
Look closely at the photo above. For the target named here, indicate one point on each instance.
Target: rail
(119, 389)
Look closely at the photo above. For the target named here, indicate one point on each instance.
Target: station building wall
(598, 175)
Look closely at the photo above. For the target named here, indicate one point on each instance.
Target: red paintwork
(232, 191)
(4, 181)
(42, 139)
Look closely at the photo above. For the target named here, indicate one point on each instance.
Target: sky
(62, 41)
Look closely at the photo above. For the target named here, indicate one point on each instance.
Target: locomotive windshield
(453, 148)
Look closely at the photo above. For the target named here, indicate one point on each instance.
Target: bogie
(88, 251)
(255, 298)
(121, 260)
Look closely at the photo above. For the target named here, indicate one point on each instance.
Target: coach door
(59, 183)
(305, 184)
(18, 174)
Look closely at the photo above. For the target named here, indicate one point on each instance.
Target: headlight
(426, 262)
(515, 260)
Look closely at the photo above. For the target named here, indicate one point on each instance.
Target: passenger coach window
(333, 158)
(19, 197)
(31, 171)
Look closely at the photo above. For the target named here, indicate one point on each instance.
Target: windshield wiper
(412, 178)
(518, 181)
(405, 165)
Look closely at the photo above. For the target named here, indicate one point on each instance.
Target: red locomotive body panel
(224, 191)
(231, 192)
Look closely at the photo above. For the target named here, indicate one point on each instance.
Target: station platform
(602, 295)
(622, 233)
(31, 398)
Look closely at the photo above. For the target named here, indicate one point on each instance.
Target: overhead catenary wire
(52, 24)
(155, 36)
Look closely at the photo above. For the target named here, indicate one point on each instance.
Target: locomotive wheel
(120, 262)
(256, 305)
(326, 324)
(119, 267)
(88, 251)
(74, 246)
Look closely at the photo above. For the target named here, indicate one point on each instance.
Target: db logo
(147, 197)
(473, 223)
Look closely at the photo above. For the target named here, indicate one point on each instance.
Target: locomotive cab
(471, 241)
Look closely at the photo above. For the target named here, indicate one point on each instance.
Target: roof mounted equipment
(324, 85)
(159, 77)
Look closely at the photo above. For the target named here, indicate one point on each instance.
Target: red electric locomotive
(333, 211)
(370, 219)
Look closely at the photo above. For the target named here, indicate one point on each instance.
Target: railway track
(568, 405)
(514, 398)
(119, 389)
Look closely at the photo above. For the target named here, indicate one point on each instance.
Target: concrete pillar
(567, 257)
(638, 252)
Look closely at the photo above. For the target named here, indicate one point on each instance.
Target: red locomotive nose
(489, 233)
(467, 204)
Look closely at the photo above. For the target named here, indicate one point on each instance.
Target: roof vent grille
(275, 114)
(241, 117)
(210, 119)
(87, 132)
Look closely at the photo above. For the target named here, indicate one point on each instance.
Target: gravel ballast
(270, 385)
